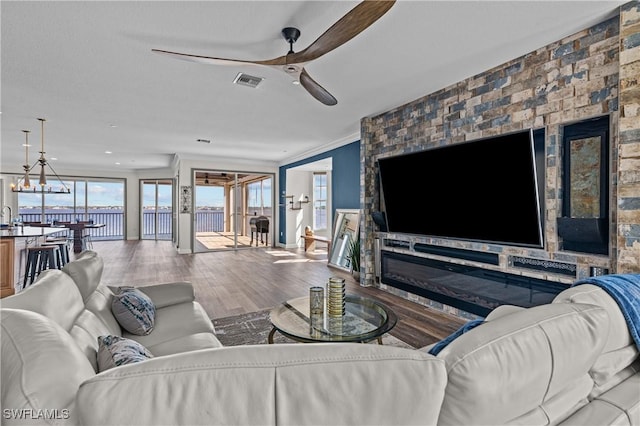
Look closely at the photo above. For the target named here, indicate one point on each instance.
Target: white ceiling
(87, 67)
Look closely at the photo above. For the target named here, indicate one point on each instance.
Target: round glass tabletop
(364, 320)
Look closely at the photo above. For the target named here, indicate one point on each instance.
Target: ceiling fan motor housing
(291, 34)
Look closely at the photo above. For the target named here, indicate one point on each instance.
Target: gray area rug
(254, 328)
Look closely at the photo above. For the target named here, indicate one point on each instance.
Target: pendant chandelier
(24, 183)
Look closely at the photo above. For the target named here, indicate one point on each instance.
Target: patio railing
(113, 229)
(207, 221)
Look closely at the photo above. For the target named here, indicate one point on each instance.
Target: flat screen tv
(484, 190)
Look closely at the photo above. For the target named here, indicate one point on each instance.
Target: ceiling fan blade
(209, 60)
(317, 91)
(347, 27)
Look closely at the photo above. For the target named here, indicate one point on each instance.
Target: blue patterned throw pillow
(114, 351)
(134, 311)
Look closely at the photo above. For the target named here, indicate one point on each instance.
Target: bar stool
(38, 259)
(63, 255)
(87, 242)
(63, 234)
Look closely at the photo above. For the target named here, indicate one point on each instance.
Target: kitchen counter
(8, 237)
(28, 231)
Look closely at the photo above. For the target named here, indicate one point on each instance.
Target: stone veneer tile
(572, 79)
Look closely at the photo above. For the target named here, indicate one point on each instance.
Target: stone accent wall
(592, 73)
(628, 196)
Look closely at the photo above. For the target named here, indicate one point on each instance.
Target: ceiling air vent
(247, 80)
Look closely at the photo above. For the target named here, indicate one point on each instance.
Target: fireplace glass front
(469, 288)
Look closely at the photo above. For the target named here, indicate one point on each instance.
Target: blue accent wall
(345, 181)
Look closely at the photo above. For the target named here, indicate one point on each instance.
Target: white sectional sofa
(50, 375)
(570, 362)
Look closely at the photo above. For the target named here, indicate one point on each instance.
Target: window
(99, 200)
(319, 201)
(254, 198)
(259, 198)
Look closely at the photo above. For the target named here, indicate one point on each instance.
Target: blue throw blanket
(435, 350)
(625, 290)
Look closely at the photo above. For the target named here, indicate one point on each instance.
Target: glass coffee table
(364, 320)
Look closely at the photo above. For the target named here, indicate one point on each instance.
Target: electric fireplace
(469, 288)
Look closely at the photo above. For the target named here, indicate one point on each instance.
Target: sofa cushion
(598, 413)
(331, 384)
(619, 351)
(496, 313)
(167, 294)
(134, 311)
(625, 290)
(96, 320)
(114, 351)
(54, 295)
(42, 368)
(187, 343)
(99, 303)
(86, 272)
(619, 406)
(528, 367)
(626, 397)
(85, 333)
(174, 322)
(503, 310)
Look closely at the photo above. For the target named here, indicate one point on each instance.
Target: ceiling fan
(347, 27)
(218, 179)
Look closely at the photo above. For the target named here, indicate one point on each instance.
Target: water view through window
(101, 201)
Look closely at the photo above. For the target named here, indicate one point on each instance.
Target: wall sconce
(292, 204)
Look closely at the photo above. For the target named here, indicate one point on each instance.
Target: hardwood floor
(236, 282)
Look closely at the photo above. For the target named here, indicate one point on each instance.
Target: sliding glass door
(225, 203)
(156, 209)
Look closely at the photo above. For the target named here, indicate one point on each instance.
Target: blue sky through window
(209, 196)
(101, 194)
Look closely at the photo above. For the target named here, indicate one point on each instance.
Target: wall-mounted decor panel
(584, 225)
(584, 174)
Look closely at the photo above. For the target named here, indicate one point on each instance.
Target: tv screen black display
(484, 190)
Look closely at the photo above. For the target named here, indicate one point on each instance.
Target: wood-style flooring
(225, 241)
(230, 283)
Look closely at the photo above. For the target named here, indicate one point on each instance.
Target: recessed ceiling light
(113, 126)
(117, 164)
(108, 152)
(296, 82)
(54, 158)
